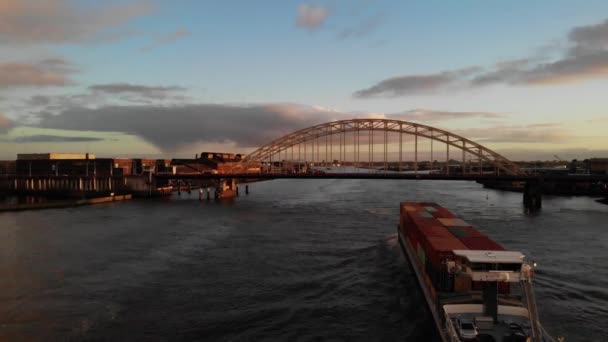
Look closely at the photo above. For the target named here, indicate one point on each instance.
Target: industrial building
(71, 164)
(598, 165)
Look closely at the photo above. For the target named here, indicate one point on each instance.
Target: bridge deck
(379, 175)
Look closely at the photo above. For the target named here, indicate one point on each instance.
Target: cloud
(167, 38)
(169, 127)
(429, 115)
(535, 133)
(175, 129)
(58, 103)
(43, 138)
(38, 100)
(589, 38)
(598, 119)
(311, 17)
(62, 21)
(583, 57)
(5, 124)
(363, 28)
(415, 84)
(100, 95)
(244, 126)
(48, 72)
(568, 70)
(136, 89)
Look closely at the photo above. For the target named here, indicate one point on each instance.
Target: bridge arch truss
(369, 126)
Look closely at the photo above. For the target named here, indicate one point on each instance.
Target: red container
(443, 213)
(429, 204)
(473, 232)
(404, 206)
(464, 232)
(434, 231)
(440, 248)
(409, 228)
(481, 243)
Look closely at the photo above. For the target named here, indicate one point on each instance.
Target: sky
(160, 78)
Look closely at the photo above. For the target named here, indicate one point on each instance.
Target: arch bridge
(357, 138)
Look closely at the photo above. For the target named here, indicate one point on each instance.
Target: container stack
(434, 233)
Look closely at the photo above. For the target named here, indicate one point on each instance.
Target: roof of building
(54, 156)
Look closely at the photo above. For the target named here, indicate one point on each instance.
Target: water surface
(295, 260)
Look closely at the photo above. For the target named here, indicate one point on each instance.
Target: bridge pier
(226, 188)
(533, 195)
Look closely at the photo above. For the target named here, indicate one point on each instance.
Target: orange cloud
(49, 72)
(61, 21)
(5, 123)
(311, 17)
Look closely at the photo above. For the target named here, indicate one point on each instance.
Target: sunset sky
(173, 78)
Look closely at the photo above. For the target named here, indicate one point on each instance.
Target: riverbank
(596, 189)
(63, 203)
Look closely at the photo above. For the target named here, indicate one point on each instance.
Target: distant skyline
(173, 78)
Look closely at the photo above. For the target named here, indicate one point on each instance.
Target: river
(295, 260)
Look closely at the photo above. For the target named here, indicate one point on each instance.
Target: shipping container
(439, 249)
(464, 232)
(405, 207)
(481, 243)
(443, 213)
(434, 231)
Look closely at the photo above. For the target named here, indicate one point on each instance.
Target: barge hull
(412, 260)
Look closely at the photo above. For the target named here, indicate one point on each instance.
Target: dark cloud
(507, 72)
(136, 89)
(592, 37)
(104, 95)
(48, 72)
(585, 56)
(592, 65)
(169, 127)
(43, 138)
(429, 115)
(415, 84)
(311, 17)
(167, 38)
(38, 100)
(63, 21)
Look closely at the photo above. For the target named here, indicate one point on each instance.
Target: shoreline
(64, 203)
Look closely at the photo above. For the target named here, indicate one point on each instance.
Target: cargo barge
(475, 289)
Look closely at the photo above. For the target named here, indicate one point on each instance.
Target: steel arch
(386, 125)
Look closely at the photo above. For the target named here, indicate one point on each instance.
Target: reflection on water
(295, 259)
